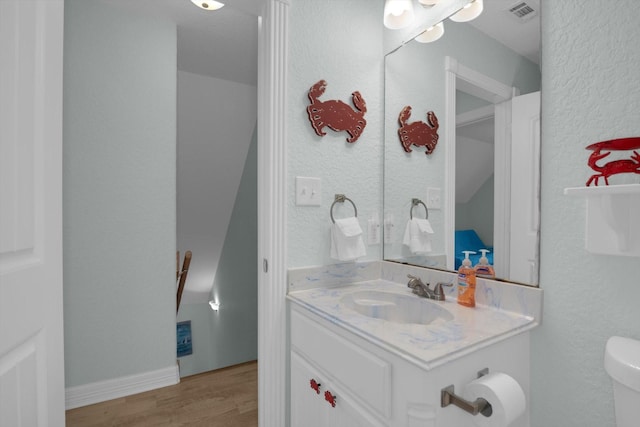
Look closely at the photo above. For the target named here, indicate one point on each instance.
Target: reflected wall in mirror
(480, 184)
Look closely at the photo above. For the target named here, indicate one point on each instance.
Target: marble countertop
(428, 345)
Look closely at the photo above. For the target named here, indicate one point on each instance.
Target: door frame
(272, 214)
(460, 77)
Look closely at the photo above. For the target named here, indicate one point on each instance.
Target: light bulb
(431, 34)
(398, 14)
(215, 306)
(469, 12)
(208, 4)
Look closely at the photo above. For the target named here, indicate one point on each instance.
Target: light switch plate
(308, 192)
(434, 198)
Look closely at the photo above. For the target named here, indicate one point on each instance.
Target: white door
(525, 188)
(31, 327)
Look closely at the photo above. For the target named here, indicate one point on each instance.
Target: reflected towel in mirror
(417, 236)
(346, 239)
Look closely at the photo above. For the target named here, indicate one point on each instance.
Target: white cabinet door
(311, 409)
(307, 405)
(31, 337)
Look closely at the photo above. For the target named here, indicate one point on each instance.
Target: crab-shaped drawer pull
(315, 385)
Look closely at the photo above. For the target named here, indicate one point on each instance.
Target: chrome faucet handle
(419, 288)
(414, 281)
(438, 288)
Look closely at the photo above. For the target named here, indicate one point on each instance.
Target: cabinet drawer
(362, 373)
(310, 406)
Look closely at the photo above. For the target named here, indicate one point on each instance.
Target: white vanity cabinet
(375, 385)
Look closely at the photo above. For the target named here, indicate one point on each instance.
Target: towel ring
(415, 202)
(341, 198)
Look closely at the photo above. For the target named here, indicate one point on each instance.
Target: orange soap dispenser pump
(482, 268)
(467, 282)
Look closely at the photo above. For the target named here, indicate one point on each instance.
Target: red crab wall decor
(335, 114)
(418, 133)
(630, 165)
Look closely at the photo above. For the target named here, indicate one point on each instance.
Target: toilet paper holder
(478, 406)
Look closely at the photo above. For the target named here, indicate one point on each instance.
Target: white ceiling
(522, 36)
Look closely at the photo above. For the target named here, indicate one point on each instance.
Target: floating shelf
(613, 218)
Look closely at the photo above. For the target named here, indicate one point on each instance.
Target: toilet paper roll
(503, 393)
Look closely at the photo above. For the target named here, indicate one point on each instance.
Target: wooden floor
(226, 397)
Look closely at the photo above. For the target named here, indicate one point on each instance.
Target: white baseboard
(101, 391)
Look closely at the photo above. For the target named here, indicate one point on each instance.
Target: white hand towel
(349, 227)
(346, 240)
(417, 236)
(424, 226)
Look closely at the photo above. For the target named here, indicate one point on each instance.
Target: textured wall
(119, 193)
(344, 47)
(590, 92)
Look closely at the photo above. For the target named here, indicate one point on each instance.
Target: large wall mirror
(479, 187)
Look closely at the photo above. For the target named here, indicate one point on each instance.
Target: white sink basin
(398, 308)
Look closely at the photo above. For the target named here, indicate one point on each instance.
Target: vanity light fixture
(469, 12)
(208, 4)
(472, 10)
(215, 306)
(397, 14)
(431, 34)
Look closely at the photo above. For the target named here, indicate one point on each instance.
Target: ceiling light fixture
(469, 12)
(428, 2)
(208, 4)
(431, 34)
(397, 14)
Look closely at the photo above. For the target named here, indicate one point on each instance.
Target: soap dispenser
(467, 282)
(483, 268)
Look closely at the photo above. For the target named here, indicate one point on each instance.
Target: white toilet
(622, 363)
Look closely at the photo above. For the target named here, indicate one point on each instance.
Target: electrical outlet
(434, 198)
(308, 191)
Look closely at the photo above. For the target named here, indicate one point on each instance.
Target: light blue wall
(477, 213)
(216, 120)
(590, 92)
(230, 336)
(202, 345)
(342, 45)
(235, 328)
(119, 193)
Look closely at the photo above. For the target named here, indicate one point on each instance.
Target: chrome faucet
(420, 289)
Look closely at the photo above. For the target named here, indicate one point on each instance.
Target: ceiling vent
(522, 11)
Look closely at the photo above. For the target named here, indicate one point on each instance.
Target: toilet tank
(622, 363)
